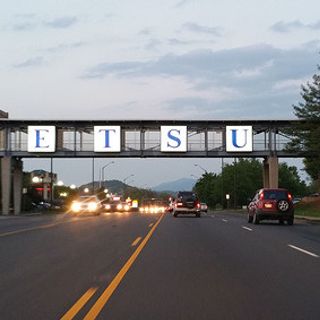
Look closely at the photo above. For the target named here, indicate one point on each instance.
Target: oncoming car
(153, 206)
(86, 204)
(271, 204)
(116, 206)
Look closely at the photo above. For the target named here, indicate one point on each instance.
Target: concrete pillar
(265, 173)
(60, 139)
(17, 186)
(271, 172)
(6, 184)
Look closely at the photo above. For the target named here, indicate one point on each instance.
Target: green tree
(240, 180)
(306, 136)
(289, 179)
(207, 188)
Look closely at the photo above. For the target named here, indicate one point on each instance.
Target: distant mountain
(183, 184)
(114, 186)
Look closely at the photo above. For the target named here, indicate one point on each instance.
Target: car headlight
(126, 207)
(107, 206)
(119, 206)
(141, 209)
(76, 207)
(92, 206)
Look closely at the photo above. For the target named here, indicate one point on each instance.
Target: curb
(307, 218)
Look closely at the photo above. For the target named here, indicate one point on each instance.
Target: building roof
(3, 114)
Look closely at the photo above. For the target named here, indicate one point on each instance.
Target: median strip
(79, 304)
(303, 251)
(100, 303)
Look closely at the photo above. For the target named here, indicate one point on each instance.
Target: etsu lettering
(174, 138)
(107, 136)
(40, 138)
(234, 138)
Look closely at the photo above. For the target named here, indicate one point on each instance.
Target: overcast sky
(146, 59)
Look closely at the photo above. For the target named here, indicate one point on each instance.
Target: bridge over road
(20, 139)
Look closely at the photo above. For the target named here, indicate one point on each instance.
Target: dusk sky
(146, 59)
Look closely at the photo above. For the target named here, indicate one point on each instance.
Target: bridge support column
(17, 185)
(6, 184)
(271, 172)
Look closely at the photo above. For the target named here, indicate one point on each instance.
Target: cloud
(284, 27)
(146, 32)
(24, 26)
(153, 44)
(61, 22)
(200, 64)
(32, 62)
(29, 22)
(64, 47)
(182, 3)
(196, 28)
(249, 81)
(245, 66)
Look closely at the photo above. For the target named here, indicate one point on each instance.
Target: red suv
(271, 204)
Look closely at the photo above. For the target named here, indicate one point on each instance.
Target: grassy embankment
(308, 207)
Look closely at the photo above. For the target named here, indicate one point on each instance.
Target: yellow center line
(79, 304)
(150, 225)
(107, 293)
(45, 226)
(135, 242)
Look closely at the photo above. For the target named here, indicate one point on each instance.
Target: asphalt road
(133, 266)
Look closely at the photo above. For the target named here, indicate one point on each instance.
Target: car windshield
(87, 198)
(187, 196)
(275, 194)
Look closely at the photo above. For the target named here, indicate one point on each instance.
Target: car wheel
(175, 214)
(281, 221)
(198, 214)
(250, 218)
(290, 221)
(283, 205)
(256, 219)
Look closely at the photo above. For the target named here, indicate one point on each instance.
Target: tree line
(242, 178)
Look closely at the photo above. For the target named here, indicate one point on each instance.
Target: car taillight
(261, 196)
(198, 204)
(179, 204)
(289, 196)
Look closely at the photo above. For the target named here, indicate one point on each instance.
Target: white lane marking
(304, 251)
(224, 220)
(246, 228)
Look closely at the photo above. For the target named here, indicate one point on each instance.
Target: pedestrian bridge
(20, 139)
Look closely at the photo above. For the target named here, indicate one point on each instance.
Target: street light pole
(102, 172)
(198, 165)
(125, 179)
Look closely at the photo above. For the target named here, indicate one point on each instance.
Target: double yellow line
(107, 293)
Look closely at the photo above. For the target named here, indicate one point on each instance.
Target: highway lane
(213, 269)
(216, 267)
(44, 271)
